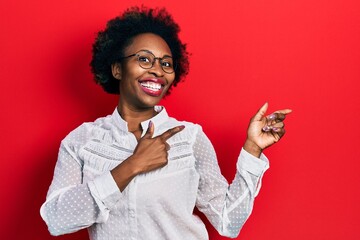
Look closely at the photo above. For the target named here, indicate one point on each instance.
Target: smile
(152, 86)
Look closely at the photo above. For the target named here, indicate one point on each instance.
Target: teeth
(151, 85)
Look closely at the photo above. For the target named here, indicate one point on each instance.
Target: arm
(71, 204)
(226, 206)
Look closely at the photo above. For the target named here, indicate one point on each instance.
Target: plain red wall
(300, 54)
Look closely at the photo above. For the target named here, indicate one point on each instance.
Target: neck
(134, 116)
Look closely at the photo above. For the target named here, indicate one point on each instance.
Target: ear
(116, 70)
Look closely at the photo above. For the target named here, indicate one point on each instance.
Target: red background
(300, 54)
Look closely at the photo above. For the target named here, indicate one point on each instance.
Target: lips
(152, 86)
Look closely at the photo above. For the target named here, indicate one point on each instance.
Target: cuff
(254, 165)
(105, 190)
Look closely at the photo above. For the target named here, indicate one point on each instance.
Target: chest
(100, 155)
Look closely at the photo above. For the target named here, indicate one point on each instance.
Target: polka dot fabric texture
(155, 205)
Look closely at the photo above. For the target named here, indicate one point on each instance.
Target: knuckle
(163, 147)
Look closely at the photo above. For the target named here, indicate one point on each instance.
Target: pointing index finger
(279, 115)
(284, 111)
(171, 132)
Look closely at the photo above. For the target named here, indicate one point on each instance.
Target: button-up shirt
(154, 205)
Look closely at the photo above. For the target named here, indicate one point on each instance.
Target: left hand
(264, 131)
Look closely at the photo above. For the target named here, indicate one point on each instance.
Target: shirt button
(132, 213)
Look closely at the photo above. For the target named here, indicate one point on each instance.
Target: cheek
(171, 79)
(170, 84)
(132, 70)
(130, 77)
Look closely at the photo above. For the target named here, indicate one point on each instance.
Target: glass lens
(145, 59)
(167, 64)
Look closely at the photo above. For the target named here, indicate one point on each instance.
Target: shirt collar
(157, 120)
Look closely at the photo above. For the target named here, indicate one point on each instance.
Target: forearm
(124, 173)
(229, 206)
(239, 203)
(243, 190)
(70, 210)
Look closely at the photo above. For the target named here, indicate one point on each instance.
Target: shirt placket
(132, 211)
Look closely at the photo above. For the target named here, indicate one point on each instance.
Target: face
(143, 88)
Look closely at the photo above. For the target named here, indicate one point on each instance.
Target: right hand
(151, 153)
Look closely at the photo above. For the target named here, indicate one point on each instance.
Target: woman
(138, 173)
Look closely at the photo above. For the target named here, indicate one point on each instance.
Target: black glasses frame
(153, 62)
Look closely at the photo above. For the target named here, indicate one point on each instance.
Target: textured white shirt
(155, 205)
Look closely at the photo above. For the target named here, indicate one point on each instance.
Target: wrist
(124, 173)
(125, 170)
(252, 148)
(132, 167)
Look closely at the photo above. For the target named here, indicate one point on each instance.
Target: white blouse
(155, 205)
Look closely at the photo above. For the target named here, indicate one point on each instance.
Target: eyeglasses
(146, 60)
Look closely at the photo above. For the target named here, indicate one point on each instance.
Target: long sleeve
(73, 204)
(226, 206)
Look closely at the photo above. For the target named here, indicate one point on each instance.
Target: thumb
(260, 114)
(150, 131)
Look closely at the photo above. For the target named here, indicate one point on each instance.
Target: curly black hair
(110, 43)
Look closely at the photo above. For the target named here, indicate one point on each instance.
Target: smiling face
(143, 88)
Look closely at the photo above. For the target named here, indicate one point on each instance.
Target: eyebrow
(145, 50)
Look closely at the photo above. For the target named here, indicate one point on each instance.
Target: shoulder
(88, 130)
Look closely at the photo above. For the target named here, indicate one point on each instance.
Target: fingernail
(272, 116)
(275, 129)
(181, 127)
(150, 123)
(266, 128)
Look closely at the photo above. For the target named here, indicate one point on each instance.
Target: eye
(144, 59)
(167, 63)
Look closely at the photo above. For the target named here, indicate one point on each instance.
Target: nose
(156, 69)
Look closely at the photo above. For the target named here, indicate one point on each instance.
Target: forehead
(148, 41)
